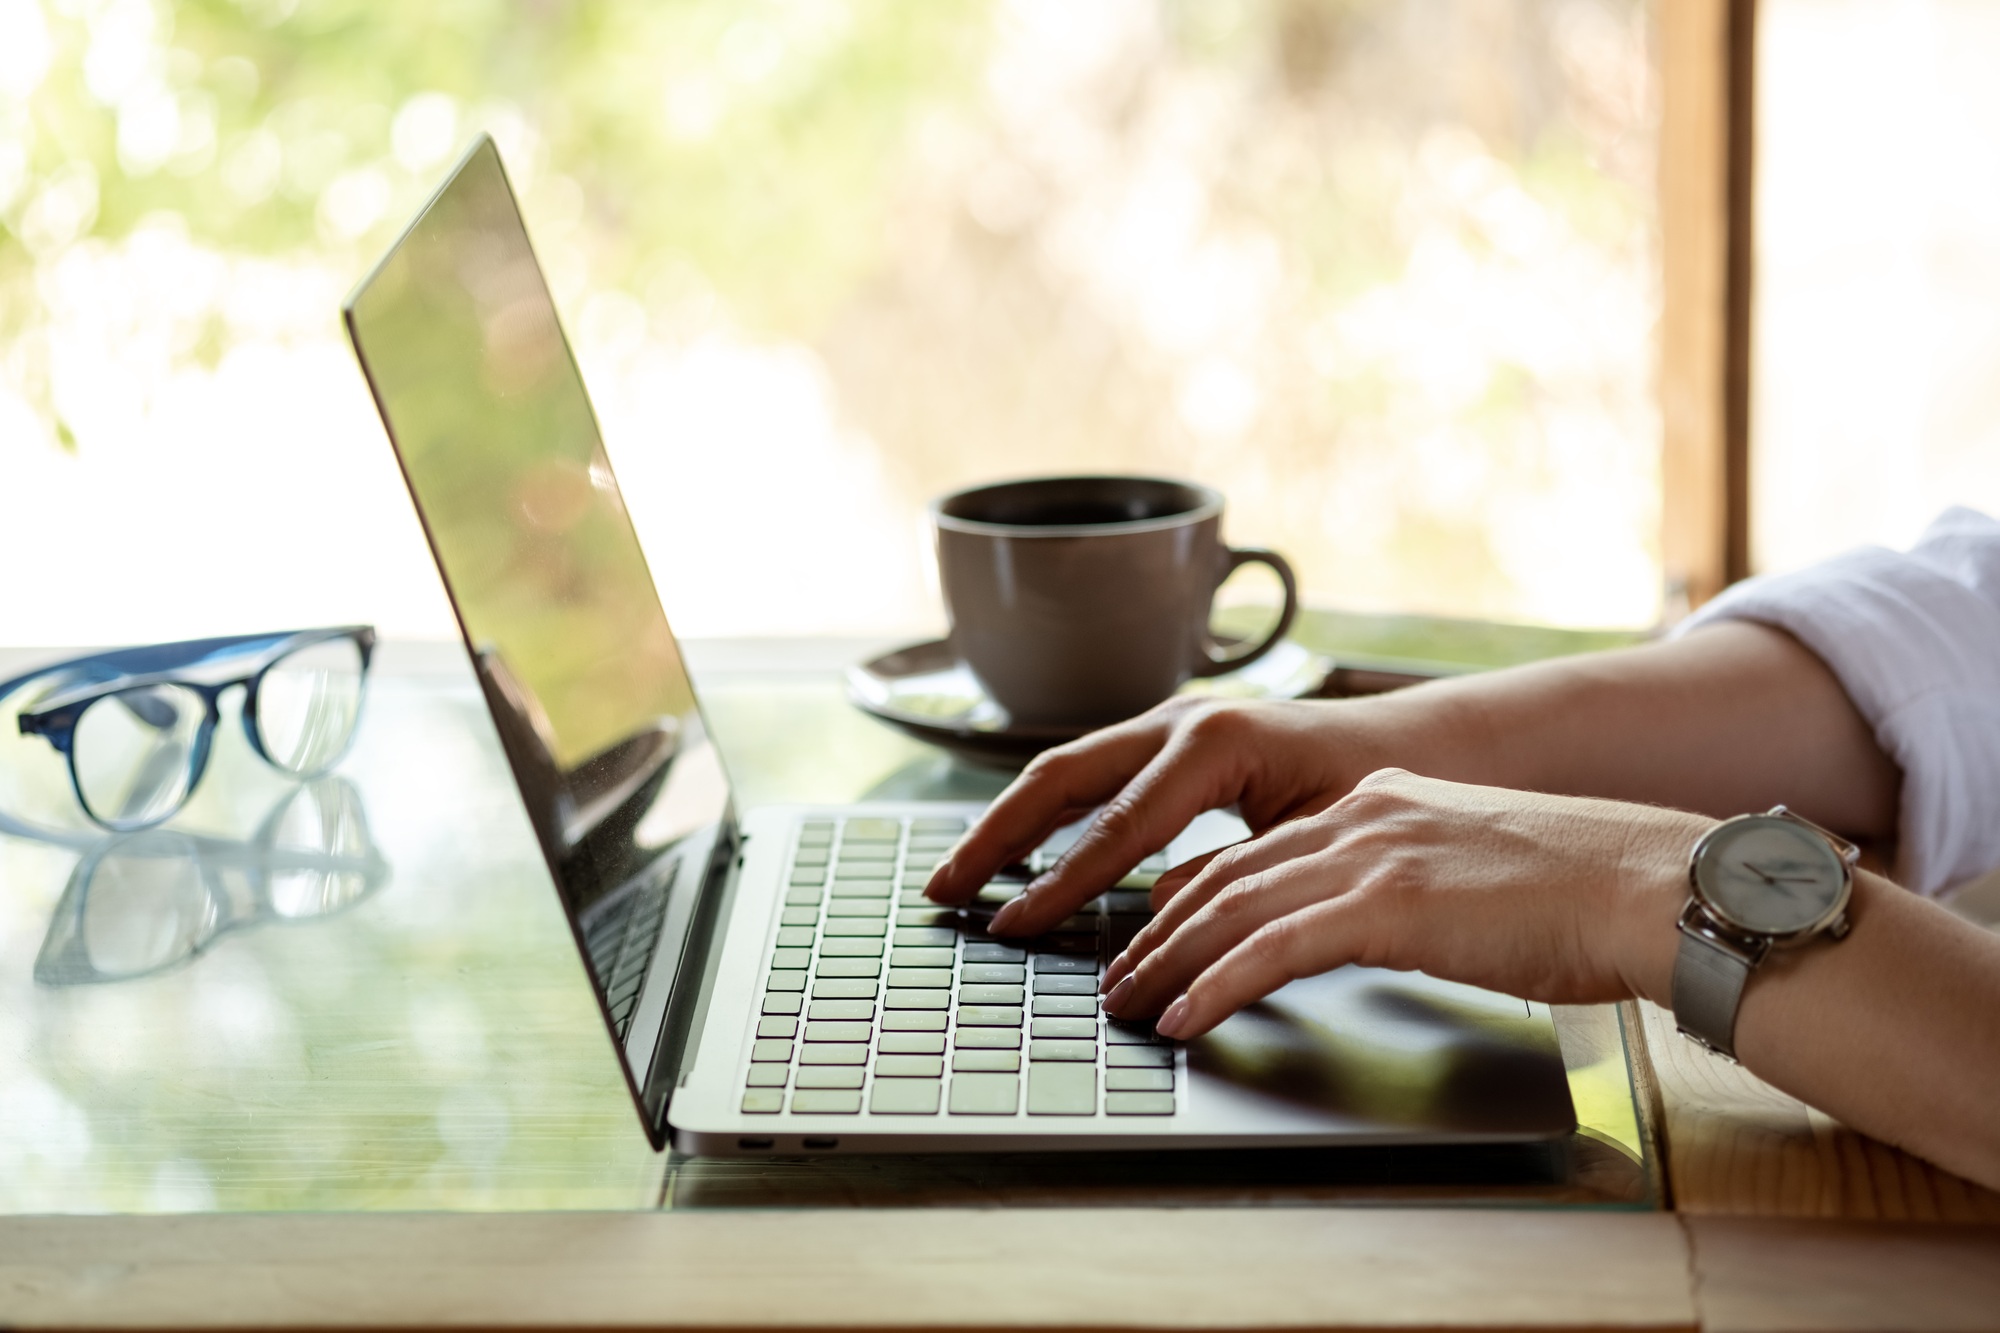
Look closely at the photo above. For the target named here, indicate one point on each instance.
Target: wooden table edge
(1279, 1268)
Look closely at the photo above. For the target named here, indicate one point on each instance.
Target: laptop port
(756, 1143)
(810, 1144)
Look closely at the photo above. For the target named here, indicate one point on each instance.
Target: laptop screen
(458, 335)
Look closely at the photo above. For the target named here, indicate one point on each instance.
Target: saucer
(924, 691)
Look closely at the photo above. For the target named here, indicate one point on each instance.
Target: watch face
(1769, 875)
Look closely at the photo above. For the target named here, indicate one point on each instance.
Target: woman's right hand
(1152, 775)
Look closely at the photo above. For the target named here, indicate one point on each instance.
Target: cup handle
(1214, 662)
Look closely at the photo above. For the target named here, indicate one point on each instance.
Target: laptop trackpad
(1399, 1051)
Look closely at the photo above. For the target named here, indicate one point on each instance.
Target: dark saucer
(924, 691)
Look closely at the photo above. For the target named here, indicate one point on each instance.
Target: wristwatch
(1757, 883)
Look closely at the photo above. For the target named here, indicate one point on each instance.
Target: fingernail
(1113, 974)
(1008, 911)
(1170, 1022)
(1115, 1001)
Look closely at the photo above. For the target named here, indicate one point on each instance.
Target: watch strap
(1708, 986)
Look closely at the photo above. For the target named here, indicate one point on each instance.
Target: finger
(1177, 784)
(1230, 916)
(1209, 875)
(1169, 885)
(1306, 943)
(1058, 786)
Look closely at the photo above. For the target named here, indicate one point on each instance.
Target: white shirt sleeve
(1915, 640)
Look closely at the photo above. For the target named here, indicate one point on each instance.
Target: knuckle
(1218, 724)
(1119, 821)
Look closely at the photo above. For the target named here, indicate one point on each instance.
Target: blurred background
(1386, 273)
(1383, 272)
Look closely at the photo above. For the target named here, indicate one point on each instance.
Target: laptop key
(1085, 1028)
(989, 1015)
(790, 960)
(991, 995)
(780, 981)
(985, 1094)
(787, 1028)
(915, 937)
(905, 1096)
(1138, 1080)
(990, 1062)
(770, 1052)
(1057, 983)
(911, 1043)
(834, 1053)
(1068, 965)
(912, 1021)
(867, 851)
(1138, 1057)
(994, 953)
(997, 974)
(1134, 1103)
(768, 1076)
(808, 897)
(917, 999)
(816, 1101)
(1065, 1051)
(862, 888)
(944, 824)
(795, 937)
(839, 1031)
(874, 830)
(919, 958)
(987, 1039)
(1062, 1090)
(799, 916)
(805, 877)
(851, 948)
(848, 967)
(927, 916)
(763, 1101)
(909, 1066)
(1066, 1006)
(1131, 1034)
(829, 1076)
(826, 1011)
(834, 988)
(855, 925)
(783, 1004)
(875, 907)
(921, 978)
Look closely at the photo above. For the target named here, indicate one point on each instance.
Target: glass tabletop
(427, 1039)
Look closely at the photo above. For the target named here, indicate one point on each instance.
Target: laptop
(772, 980)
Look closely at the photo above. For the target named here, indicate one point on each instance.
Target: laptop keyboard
(879, 1000)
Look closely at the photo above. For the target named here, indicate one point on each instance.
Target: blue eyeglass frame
(99, 675)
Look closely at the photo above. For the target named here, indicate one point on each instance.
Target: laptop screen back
(482, 399)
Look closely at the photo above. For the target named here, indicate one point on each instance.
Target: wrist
(1653, 889)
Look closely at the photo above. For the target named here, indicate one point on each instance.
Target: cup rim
(1208, 506)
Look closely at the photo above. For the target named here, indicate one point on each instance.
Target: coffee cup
(1079, 601)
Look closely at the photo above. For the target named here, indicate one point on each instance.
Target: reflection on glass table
(143, 903)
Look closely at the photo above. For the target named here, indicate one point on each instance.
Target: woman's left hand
(1552, 898)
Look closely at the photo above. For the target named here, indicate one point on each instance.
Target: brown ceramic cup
(1078, 601)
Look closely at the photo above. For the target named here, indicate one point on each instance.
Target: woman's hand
(1153, 775)
(1562, 899)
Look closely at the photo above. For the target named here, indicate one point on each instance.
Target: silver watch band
(1708, 986)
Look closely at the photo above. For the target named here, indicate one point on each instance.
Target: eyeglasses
(148, 902)
(136, 724)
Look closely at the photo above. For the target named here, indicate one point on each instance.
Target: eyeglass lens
(133, 753)
(307, 704)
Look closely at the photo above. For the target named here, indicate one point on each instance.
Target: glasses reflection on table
(146, 903)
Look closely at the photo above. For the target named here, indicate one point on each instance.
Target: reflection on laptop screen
(460, 341)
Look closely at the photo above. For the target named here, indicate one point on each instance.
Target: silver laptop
(773, 980)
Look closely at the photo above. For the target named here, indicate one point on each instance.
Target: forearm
(1732, 718)
(1894, 1031)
